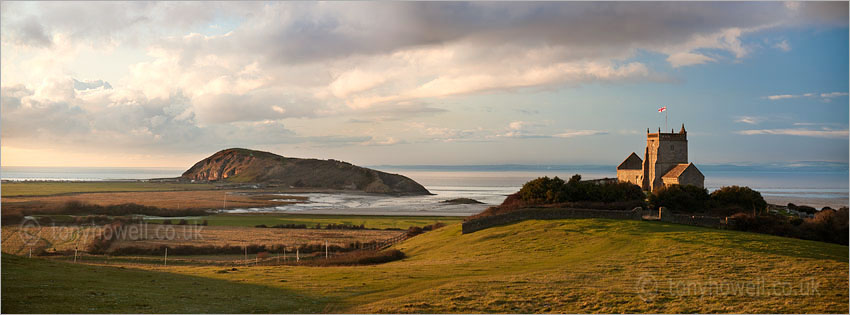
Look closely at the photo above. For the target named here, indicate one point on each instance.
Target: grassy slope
(11, 189)
(42, 286)
(370, 221)
(564, 266)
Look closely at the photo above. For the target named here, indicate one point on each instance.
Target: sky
(165, 84)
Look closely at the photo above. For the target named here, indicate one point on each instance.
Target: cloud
(523, 129)
(783, 45)
(837, 134)
(814, 124)
(29, 32)
(383, 141)
(687, 59)
(192, 89)
(833, 94)
(59, 116)
(781, 97)
(826, 97)
(749, 120)
(579, 133)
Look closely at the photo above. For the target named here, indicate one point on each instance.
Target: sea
(818, 186)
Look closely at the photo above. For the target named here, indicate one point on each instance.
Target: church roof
(633, 162)
(680, 169)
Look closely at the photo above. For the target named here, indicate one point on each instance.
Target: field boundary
(637, 214)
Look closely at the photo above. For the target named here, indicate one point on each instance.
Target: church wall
(630, 176)
(692, 178)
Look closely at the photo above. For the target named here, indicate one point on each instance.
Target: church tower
(664, 151)
(665, 163)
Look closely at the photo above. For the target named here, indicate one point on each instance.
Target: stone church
(665, 163)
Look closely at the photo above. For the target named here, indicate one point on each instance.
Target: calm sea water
(490, 184)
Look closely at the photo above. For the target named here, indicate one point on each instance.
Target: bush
(433, 226)
(9, 219)
(680, 198)
(413, 231)
(545, 190)
(826, 226)
(74, 207)
(734, 199)
(767, 224)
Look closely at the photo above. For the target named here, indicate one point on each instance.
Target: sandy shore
(818, 203)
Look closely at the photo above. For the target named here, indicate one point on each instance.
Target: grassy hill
(251, 166)
(562, 266)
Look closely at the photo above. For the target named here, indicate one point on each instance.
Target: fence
(388, 242)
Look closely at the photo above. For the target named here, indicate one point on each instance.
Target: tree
(739, 199)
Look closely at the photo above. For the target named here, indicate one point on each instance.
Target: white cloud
(823, 96)
(687, 59)
(781, 96)
(783, 45)
(749, 120)
(838, 134)
(579, 133)
(383, 141)
(833, 94)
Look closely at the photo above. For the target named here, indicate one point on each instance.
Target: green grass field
(12, 189)
(43, 286)
(555, 266)
(370, 221)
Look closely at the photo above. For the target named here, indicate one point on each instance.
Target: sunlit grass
(560, 266)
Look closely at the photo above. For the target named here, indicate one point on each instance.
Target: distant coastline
(815, 184)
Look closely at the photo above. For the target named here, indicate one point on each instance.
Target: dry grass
(203, 199)
(18, 240)
(236, 235)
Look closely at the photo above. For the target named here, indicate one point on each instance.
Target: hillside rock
(250, 166)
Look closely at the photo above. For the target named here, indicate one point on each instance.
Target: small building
(665, 163)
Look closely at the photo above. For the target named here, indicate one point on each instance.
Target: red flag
(662, 109)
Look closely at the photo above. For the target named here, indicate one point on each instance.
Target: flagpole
(665, 119)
